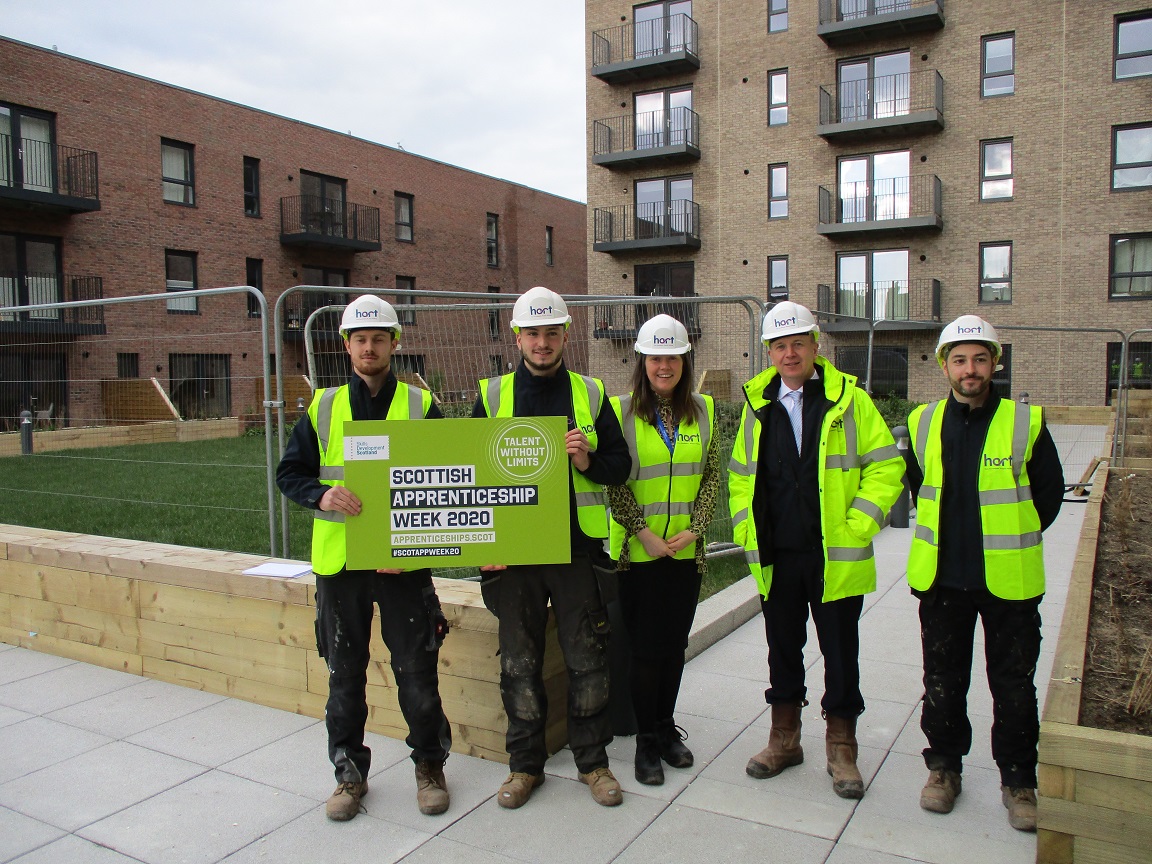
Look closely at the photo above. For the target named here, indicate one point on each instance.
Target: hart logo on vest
(997, 461)
(690, 439)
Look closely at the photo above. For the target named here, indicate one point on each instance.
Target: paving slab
(36, 743)
(20, 834)
(126, 711)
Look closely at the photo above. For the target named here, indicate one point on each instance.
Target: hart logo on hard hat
(662, 335)
(540, 310)
(968, 328)
(539, 307)
(976, 329)
(784, 322)
(663, 340)
(788, 319)
(369, 312)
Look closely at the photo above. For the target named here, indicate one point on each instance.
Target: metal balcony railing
(844, 21)
(622, 321)
(26, 289)
(298, 306)
(318, 217)
(886, 97)
(897, 300)
(886, 200)
(679, 219)
(648, 130)
(835, 11)
(646, 41)
(40, 166)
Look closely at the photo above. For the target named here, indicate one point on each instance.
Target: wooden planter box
(191, 617)
(1095, 804)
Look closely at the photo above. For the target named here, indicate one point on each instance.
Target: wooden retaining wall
(191, 617)
(114, 436)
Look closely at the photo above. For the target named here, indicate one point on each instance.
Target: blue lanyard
(669, 440)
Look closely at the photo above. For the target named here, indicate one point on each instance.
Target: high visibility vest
(861, 475)
(665, 484)
(331, 407)
(498, 397)
(1010, 526)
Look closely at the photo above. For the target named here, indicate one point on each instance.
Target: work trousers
(797, 586)
(1011, 649)
(520, 600)
(658, 602)
(344, 606)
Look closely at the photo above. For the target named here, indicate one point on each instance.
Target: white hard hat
(539, 307)
(662, 334)
(788, 319)
(369, 312)
(968, 328)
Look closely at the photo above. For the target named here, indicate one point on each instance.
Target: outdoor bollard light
(25, 433)
(299, 403)
(899, 514)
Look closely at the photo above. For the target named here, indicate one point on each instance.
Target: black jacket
(964, 430)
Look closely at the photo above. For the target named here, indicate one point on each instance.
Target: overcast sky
(495, 87)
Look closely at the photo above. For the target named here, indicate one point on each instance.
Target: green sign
(450, 493)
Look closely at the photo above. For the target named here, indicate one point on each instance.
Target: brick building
(112, 185)
(896, 162)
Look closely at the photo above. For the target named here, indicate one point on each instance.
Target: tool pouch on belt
(437, 623)
(490, 591)
(606, 579)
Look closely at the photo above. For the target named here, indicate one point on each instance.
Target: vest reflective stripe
(665, 484)
(498, 395)
(853, 437)
(331, 408)
(1011, 538)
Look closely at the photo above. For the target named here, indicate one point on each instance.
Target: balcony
(26, 289)
(621, 321)
(909, 304)
(38, 175)
(328, 223)
(646, 49)
(843, 22)
(886, 105)
(897, 204)
(663, 225)
(648, 138)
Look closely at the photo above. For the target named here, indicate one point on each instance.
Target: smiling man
(987, 480)
(813, 474)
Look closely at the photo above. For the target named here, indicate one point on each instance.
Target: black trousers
(1011, 649)
(344, 606)
(520, 600)
(797, 586)
(658, 600)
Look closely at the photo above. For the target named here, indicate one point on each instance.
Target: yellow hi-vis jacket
(498, 397)
(860, 478)
(664, 484)
(330, 409)
(1013, 547)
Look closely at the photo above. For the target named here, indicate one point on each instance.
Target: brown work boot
(431, 788)
(517, 789)
(344, 803)
(1021, 804)
(840, 745)
(940, 792)
(605, 790)
(783, 750)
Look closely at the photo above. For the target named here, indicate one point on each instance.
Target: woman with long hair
(659, 519)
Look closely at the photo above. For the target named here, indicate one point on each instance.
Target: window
(664, 207)
(664, 119)
(28, 152)
(1139, 367)
(404, 204)
(889, 368)
(874, 87)
(995, 272)
(778, 277)
(251, 186)
(995, 170)
(1133, 57)
(998, 65)
(30, 274)
(1132, 157)
(176, 171)
(778, 97)
(875, 187)
(548, 245)
(778, 191)
(406, 316)
(322, 209)
(408, 364)
(777, 16)
(677, 279)
(1131, 268)
(662, 28)
(495, 365)
(873, 285)
(180, 275)
(201, 385)
(494, 315)
(493, 240)
(254, 274)
(127, 365)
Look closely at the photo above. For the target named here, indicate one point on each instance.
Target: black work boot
(649, 771)
(672, 749)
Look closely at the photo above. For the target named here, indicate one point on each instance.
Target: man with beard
(411, 622)
(987, 480)
(541, 386)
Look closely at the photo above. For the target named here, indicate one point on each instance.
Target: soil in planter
(1117, 690)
